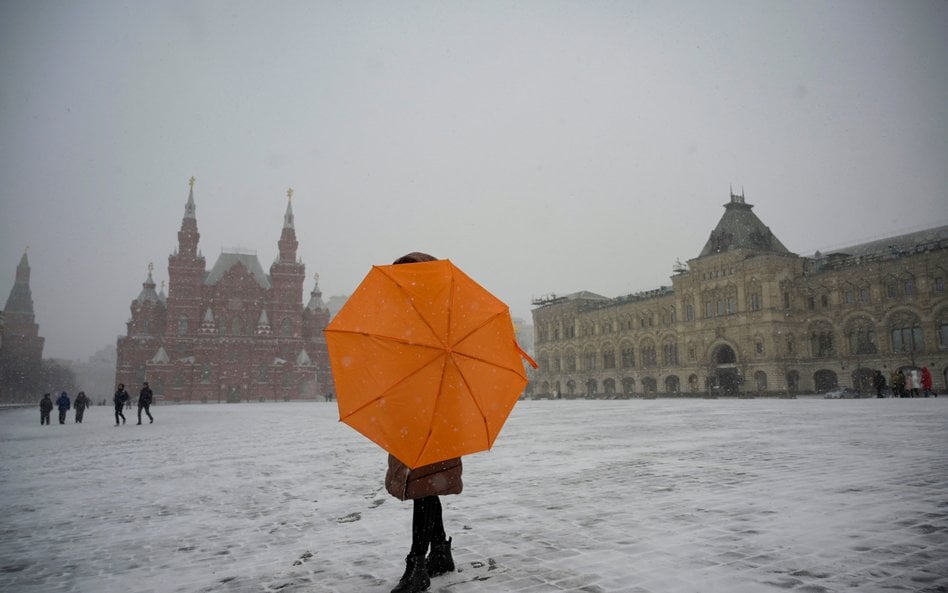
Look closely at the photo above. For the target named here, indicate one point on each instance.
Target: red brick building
(21, 346)
(231, 333)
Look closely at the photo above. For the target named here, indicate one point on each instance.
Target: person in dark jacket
(119, 399)
(880, 383)
(46, 406)
(423, 485)
(144, 402)
(63, 404)
(81, 403)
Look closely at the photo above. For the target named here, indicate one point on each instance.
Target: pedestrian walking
(46, 406)
(63, 404)
(927, 382)
(144, 402)
(898, 383)
(120, 399)
(879, 381)
(81, 403)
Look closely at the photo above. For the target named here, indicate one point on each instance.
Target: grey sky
(541, 146)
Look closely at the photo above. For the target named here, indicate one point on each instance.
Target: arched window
(628, 356)
(182, 326)
(286, 327)
(649, 357)
(670, 353)
(906, 334)
(628, 385)
(236, 327)
(672, 385)
(609, 386)
(760, 381)
(861, 336)
(609, 358)
(693, 383)
(821, 340)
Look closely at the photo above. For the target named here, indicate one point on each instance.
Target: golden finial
(316, 277)
(151, 267)
(191, 181)
(289, 193)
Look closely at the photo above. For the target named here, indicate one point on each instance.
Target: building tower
(21, 347)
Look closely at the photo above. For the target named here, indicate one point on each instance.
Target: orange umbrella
(425, 362)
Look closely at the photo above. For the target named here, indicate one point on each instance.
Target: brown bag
(436, 479)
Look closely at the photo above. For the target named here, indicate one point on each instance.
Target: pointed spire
(316, 297)
(288, 216)
(189, 208)
(288, 243)
(20, 299)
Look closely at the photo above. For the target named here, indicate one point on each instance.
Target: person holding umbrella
(423, 486)
(425, 364)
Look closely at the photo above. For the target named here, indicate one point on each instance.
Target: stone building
(21, 346)
(747, 316)
(231, 333)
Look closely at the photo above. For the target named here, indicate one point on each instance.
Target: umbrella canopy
(425, 362)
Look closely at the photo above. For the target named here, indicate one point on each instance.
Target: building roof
(897, 245)
(21, 298)
(229, 259)
(739, 228)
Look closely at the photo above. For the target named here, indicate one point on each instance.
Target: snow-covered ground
(645, 496)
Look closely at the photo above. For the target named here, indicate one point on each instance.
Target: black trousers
(144, 407)
(427, 524)
(62, 416)
(79, 413)
(44, 417)
(119, 414)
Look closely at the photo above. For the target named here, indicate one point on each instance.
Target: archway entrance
(725, 378)
(824, 380)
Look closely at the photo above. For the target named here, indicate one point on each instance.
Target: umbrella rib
(392, 386)
(412, 301)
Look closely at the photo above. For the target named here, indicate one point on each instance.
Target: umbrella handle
(525, 355)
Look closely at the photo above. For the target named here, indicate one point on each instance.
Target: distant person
(927, 383)
(46, 406)
(144, 402)
(880, 385)
(120, 399)
(913, 381)
(82, 402)
(898, 383)
(63, 404)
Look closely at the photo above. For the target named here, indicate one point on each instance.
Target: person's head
(121, 385)
(146, 383)
(46, 395)
(415, 257)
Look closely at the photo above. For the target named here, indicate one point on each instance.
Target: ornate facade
(747, 316)
(230, 333)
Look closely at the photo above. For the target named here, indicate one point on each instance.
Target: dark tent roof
(740, 228)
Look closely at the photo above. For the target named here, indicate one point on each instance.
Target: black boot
(440, 560)
(415, 578)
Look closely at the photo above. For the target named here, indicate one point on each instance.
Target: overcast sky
(541, 146)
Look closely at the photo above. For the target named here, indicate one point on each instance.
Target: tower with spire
(21, 347)
(231, 333)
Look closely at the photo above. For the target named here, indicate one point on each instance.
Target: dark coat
(63, 402)
(46, 405)
(82, 402)
(120, 397)
(145, 396)
(436, 479)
